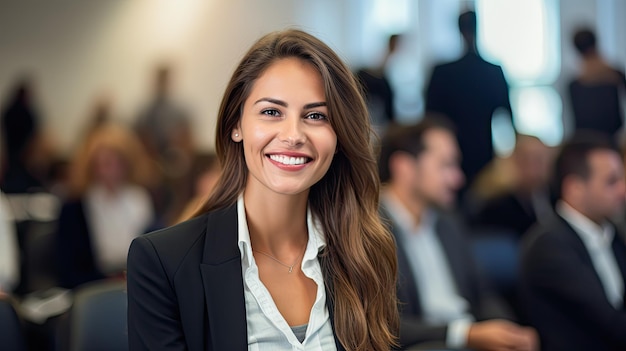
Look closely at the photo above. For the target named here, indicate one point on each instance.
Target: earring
(236, 134)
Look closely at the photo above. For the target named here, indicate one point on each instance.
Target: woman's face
(287, 139)
(109, 168)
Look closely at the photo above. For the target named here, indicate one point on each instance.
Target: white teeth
(286, 160)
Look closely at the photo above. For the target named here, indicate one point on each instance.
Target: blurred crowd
(69, 220)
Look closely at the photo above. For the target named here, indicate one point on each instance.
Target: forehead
(440, 141)
(289, 75)
(604, 159)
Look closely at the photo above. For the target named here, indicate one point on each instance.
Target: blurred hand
(501, 335)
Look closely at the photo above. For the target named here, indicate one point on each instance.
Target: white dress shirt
(598, 242)
(439, 297)
(9, 250)
(267, 329)
(114, 220)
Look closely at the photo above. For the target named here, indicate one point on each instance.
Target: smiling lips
(289, 162)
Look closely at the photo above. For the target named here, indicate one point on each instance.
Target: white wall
(79, 50)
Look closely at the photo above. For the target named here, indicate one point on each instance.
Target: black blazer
(185, 287)
(74, 252)
(484, 304)
(563, 294)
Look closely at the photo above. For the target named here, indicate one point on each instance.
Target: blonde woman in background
(108, 206)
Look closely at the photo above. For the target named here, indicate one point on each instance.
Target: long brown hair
(359, 261)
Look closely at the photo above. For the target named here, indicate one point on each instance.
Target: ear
(401, 163)
(236, 135)
(573, 187)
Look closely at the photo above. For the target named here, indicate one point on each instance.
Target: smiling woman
(289, 251)
(288, 141)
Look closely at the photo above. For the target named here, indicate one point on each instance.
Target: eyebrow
(284, 104)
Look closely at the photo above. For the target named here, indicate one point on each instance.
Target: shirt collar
(404, 219)
(316, 235)
(592, 234)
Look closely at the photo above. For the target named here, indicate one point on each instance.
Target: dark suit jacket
(484, 304)
(507, 212)
(75, 258)
(185, 287)
(563, 294)
(468, 91)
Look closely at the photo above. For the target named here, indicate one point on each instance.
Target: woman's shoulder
(181, 234)
(178, 239)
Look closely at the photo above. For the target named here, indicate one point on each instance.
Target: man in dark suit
(574, 267)
(469, 91)
(444, 300)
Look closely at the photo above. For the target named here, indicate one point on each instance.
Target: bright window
(523, 37)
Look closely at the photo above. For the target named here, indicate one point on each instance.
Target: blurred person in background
(9, 249)
(108, 207)
(573, 268)
(597, 91)
(526, 200)
(165, 129)
(20, 130)
(377, 88)
(444, 299)
(469, 91)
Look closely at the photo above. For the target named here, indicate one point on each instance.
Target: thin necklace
(279, 261)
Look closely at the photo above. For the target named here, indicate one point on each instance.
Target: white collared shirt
(439, 297)
(598, 242)
(114, 221)
(267, 329)
(9, 250)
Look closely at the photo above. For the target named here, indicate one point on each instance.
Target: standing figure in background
(378, 91)
(20, 129)
(165, 129)
(595, 94)
(109, 206)
(468, 91)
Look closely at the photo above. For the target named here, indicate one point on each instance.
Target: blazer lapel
(223, 283)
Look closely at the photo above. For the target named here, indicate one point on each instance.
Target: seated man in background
(444, 301)
(574, 267)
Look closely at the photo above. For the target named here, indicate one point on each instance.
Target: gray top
(299, 331)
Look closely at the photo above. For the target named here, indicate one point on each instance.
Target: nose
(292, 132)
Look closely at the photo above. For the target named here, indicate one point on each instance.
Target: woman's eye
(271, 112)
(316, 116)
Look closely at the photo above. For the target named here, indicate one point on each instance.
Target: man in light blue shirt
(444, 301)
